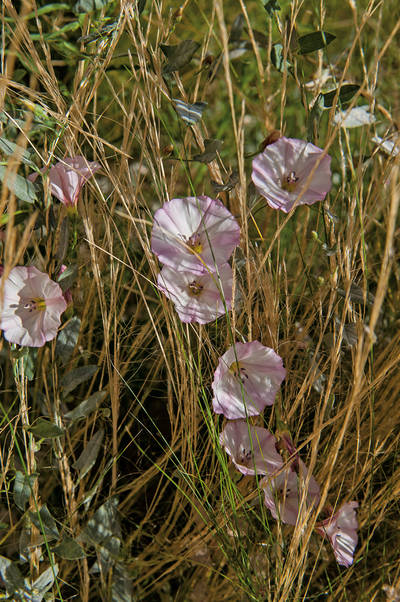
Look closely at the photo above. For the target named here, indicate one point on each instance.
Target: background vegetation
(134, 499)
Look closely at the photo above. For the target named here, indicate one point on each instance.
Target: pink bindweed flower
(281, 171)
(67, 178)
(283, 493)
(341, 530)
(31, 307)
(246, 380)
(197, 297)
(194, 234)
(251, 448)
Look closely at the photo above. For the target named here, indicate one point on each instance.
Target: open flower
(31, 307)
(251, 448)
(246, 380)
(281, 171)
(194, 234)
(68, 176)
(283, 493)
(341, 529)
(198, 297)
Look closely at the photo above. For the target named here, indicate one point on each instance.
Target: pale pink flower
(194, 234)
(31, 307)
(246, 380)
(281, 171)
(283, 493)
(341, 530)
(197, 297)
(251, 448)
(67, 178)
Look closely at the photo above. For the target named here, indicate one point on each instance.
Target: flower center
(244, 456)
(238, 371)
(195, 288)
(194, 242)
(36, 304)
(282, 493)
(289, 182)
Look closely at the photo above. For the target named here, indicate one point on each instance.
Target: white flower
(194, 234)
(197, 297)
(31, 307)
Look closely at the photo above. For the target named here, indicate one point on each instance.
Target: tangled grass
(155, 500)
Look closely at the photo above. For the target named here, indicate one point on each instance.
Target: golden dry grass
(191, 529)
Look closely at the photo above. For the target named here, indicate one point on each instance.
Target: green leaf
(211, 148)
(23, 485)
(88, 6)
(44, 429)
(89, 455)
(190, 113)
(43, 583)
(236, 29)
(314, 117)
(11, 576)
(19, 217)
(122, 586)
(346, 93)
(69, 549)
(278, 60)
(68, 338)
(43, 520)
(103, 525)
(22, 188)
(314, 41)
(271, 6)
(180, 55)
(140, 6)
(26, 361)
(76, 377)
(49, 8)
(10, 148)
(231, 183)
(67, 278)
(87, 406)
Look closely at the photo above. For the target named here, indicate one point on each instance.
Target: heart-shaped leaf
(190, 113)
(10, 148)
(87, 406)
(179, 56)
(76, 377)
(44, 429)
(271, 6)
(44, 521)
(22, 188)
(68, 338)
(23, 485)
(278, 59)
(69, 549)
(346, 93)
(231, 183)
(89, 455)
(314, 41)
(211, 148)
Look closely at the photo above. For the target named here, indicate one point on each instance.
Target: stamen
(194, 242)
(245, 456)
(238, 371)
(289, 182)
(195, 288)
(37, 304)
